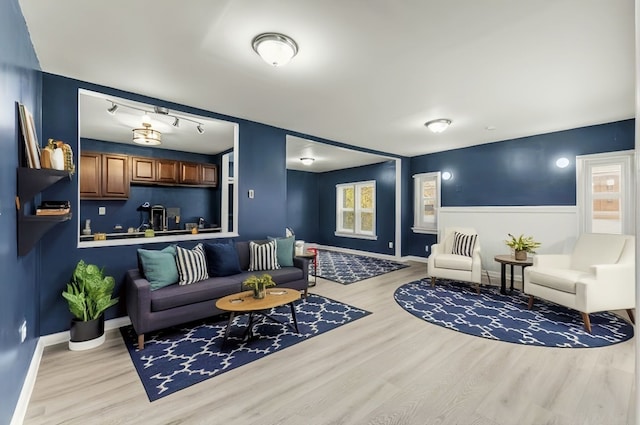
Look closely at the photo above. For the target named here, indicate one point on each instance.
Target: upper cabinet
(143, 169)
(209, 174)
(189, 173)
(166, 171)
(104, 176)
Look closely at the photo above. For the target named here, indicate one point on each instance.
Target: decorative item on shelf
(88, 294)
(28, 129)
(149, 233)
(53, 208)
(58, 155)
(98, 236)
(259, 284)
(87, 227)
(522, 245)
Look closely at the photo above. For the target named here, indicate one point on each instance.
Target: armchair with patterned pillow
(456, 257)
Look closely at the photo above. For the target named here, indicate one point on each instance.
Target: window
(426, 202)
(356, 210)
(605, 193)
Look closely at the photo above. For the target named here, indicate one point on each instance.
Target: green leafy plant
(89, 292)
(522, 243)
(256, 282)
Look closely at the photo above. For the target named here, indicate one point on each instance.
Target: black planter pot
(86, 331)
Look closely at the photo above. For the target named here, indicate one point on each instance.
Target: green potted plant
(259, 284)
(522, 245)
(88, 294)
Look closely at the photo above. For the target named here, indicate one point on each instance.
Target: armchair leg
(141, 342)
(587, 322)
(530, 302)
(433, 281)
(630, 313)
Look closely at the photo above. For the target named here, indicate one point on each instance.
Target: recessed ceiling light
(490, 127)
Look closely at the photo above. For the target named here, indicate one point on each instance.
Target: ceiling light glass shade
(275, 49)
(147, 136)
(307, 161)
(562, 162)
(439, 125)
(113, 109)
(200, 128)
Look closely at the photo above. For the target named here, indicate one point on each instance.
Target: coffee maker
(158, 218)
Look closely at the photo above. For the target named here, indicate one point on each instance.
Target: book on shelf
(52, 211)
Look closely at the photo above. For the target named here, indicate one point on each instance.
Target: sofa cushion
(222, 259)
(284, 250)
(180, 295)
(463, 244)
(192, 264)
(263, 256)
(454, 262)
(560, 279)
(159, 266)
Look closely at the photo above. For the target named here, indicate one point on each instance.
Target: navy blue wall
(302, 205)
(384, 174)
(20, 81)
(518, 172)
(194, 202)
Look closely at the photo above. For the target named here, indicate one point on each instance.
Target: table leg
(503, 278)
(226, 331)
(511, 277)
(293, 316)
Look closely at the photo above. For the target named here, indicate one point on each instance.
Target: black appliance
(158, 218)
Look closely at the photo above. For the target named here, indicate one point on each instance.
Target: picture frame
(28, 127)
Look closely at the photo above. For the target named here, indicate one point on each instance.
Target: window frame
(357, 231)
(419, 224)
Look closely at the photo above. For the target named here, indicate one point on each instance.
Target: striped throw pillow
(192, 264)
(464, 244)
(263, 256)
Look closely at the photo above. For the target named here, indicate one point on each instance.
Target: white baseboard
(414, 258)
(45, 341)
(357, 252)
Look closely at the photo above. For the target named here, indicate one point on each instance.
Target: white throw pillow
(263, 256)
(192, 264)
(464, 244)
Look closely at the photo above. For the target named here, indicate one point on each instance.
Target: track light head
(113, 109)
(200, 128)
(176, 122)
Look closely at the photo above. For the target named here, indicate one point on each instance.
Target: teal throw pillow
(159, 267)
(284, 250)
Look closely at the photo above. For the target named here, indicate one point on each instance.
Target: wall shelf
(31, 228)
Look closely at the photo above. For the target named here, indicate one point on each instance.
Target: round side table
(510, 260)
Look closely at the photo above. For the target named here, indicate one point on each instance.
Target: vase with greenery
(259, 284)
(522, 245)
(88, 295)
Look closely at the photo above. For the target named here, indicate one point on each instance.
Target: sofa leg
(630, 313)
(587, 322)
(141, 342)
(433, 281)
(530, 302)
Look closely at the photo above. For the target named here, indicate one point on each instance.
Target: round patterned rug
(455, 305)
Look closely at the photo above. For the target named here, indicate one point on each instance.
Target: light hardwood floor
(387, 368)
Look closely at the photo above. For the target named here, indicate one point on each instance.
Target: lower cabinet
(104, 176)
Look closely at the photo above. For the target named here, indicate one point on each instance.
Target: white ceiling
(368, 73)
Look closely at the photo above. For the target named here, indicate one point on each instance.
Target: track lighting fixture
(157, 110)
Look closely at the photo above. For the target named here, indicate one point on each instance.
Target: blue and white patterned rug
(454, 305)
(178, 357)
(349, 268)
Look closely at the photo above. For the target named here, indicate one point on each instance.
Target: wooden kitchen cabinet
(189, 173)
(104, 176)
(166, 171)
(143, 169)
(209, 175)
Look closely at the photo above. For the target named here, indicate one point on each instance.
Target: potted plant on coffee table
(259, 284)
(522, 245)
(88, 294)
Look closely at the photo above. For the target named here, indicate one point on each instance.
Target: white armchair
(457, 261)
(599, 275)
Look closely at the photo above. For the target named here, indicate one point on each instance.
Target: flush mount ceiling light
(562, 162)
(146, 135)
(446, 175)
(439, 125)
(274, 48)
(307, 161)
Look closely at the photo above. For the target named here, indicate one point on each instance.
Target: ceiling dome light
(274, 48)
(562, 162)
(147, 136)
(446, 175)
(439, 125)
(307, 161)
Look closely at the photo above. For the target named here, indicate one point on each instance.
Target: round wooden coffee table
(243, 302)
(505, 260)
